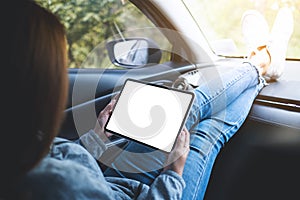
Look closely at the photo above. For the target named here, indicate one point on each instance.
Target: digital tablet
(150, 114)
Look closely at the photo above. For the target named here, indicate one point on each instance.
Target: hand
(177, 157)
(102, 119)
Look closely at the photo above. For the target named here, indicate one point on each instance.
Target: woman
(43, 166)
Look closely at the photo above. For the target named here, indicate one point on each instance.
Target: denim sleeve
(92, 143)
(168, 185)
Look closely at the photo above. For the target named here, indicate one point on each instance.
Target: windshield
(220, 21)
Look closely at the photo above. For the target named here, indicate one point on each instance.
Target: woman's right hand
(102, 119)
(177, 157)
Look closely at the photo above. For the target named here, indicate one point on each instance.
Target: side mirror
(133, 52)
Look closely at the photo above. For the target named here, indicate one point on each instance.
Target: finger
(108, 134)
(116, 97)
(108, 107)
(180, 140)
(104, 111)
(187, 138)
(113, 103)
(114, 100)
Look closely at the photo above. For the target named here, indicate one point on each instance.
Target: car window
(91, 24)
(220, 21)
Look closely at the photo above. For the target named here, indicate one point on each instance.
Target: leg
(208, 137)
(212, 133)
(215, 95)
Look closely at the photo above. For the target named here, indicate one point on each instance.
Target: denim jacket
(70, 171)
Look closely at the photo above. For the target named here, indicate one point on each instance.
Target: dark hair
(34, 60)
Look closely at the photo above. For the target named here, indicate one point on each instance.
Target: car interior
(261, 161)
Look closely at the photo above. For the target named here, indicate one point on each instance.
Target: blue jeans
(220, 108)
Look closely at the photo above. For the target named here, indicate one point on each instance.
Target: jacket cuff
(175, 175)
(92, 142)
